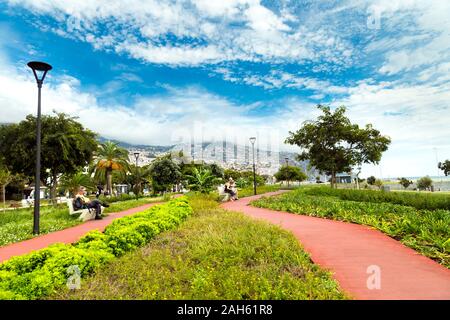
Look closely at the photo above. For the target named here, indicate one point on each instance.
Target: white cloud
(205, 31)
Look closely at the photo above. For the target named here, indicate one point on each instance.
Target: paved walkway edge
(69, 235)
(367, 263)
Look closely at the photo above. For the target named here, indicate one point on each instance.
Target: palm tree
(110, 157)
(73, 182)
(137, 177)
(5, 178)
(202, 180)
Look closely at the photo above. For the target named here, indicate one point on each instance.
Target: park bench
(85, 214)
(224, 197)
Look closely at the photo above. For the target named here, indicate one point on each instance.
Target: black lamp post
(253, 140)
(136, 155)
(287, 166)
(40, 70)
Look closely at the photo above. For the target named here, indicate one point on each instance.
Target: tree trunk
(109, 182)
(53, 188)
(333, 179)
(4, 197)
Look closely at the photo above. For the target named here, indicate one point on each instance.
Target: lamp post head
(252, 140)
(40, 67)
(136, 155)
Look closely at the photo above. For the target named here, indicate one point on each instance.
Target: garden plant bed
(16, 225)
(215, 254)
(426, 231)
(40, 273)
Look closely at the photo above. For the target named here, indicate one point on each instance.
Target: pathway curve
(348, 250)
(68, 235)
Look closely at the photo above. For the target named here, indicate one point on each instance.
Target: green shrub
(412, 199)
(39, 273)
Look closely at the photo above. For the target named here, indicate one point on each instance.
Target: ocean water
(439, 183)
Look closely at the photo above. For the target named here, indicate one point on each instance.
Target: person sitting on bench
(230, 188)
(83, 202)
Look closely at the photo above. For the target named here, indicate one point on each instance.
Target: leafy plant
(202, 180)
(72, 182)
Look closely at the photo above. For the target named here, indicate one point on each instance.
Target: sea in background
(441, 183)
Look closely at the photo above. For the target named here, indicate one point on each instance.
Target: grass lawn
(426, 231)
(16, 225)
(215, 254)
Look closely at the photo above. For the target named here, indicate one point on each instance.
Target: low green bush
(39, 273)
(417, 200)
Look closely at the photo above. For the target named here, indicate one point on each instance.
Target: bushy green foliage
(424, 183)
(290, 173)
(413, 199)
(405, 183)
(39, 273)
(371, 180)
(426, 231)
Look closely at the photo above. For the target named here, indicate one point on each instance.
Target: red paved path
(347, 250)
(68, 235)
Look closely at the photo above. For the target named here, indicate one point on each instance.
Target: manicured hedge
(39, 273)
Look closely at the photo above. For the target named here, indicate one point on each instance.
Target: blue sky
(155, 72)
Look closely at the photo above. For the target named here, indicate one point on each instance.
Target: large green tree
(424, 183)
(164, 174)
(5, 178)
(290, 173)
(66, 147)
(445, 166)
(405, 183)
(110, 157)
(333, 144)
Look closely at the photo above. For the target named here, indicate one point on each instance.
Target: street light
(253, 140)
(136, 155)
(287, 166)
(40, 70)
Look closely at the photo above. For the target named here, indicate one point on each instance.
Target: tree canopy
(445, 166)
(424, 183)
(405, 183)
(333, 144)
(290, 173)
(164, 174)
(66, 147)
(110, 157)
